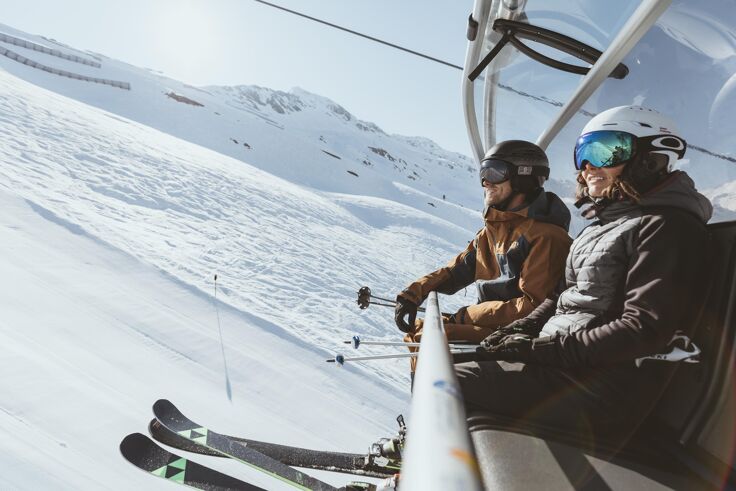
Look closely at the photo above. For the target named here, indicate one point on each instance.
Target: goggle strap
(532, 170)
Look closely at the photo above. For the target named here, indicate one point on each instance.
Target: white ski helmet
(655, 135)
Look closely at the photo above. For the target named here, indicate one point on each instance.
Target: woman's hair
(620, 189)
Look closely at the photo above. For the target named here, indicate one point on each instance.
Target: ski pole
(367, 291)
(365, 296)
(357, 342)
(392, 305)
(228, 387)
(365, 299)
(340, 359)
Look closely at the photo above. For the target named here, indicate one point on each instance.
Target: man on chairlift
(515, 260)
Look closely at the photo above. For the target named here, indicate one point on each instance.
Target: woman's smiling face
(598, 179)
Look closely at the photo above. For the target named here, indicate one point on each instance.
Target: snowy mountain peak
(260, 98)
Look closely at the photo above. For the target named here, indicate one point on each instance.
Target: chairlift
(688, 441)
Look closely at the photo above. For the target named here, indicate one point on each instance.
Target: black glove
(520, 326)
(405, 307)
(514, 347)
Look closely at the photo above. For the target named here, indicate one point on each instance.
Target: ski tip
(132, 438)
(162, 405)
(153, 426)
(133, 444)
(161, 401)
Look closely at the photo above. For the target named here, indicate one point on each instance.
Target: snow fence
(43, 49)
(22, 59)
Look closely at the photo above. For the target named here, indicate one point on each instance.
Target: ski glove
(514, 347)
(498, 335)
(405, 307)
(521, 348)
(526, 325)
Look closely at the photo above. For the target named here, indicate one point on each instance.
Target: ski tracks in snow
(287, 254)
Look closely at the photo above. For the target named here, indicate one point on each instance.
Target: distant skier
(515, 260)
(631, 281)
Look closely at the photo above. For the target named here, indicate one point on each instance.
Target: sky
(243, 42)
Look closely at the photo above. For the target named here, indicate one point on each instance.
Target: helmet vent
(645, 125)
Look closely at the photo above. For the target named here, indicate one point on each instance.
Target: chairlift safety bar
(439, 453)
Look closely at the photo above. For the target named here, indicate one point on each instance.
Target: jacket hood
(677, 190)
(545, 207)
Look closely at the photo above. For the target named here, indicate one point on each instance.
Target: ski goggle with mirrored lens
(495, 171)
(605, 148)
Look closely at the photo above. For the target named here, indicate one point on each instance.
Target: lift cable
(386, 43)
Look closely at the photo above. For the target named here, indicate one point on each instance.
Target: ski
(143, 453)
(345, 463)
(174, 420)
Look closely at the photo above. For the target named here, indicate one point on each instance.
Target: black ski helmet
(527, 166)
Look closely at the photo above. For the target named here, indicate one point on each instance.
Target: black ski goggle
(495, 171)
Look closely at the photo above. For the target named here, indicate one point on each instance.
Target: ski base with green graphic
(170, 417)
(143, 453)
(366, 465)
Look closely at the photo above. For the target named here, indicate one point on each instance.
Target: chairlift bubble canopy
(683, 65)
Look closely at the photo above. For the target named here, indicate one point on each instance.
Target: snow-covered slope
(299, 136)
(285, 252)
(92, 336)
(112, 234)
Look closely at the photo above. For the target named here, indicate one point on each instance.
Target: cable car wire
(385, 43)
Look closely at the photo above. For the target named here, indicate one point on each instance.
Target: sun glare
(186, 33)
